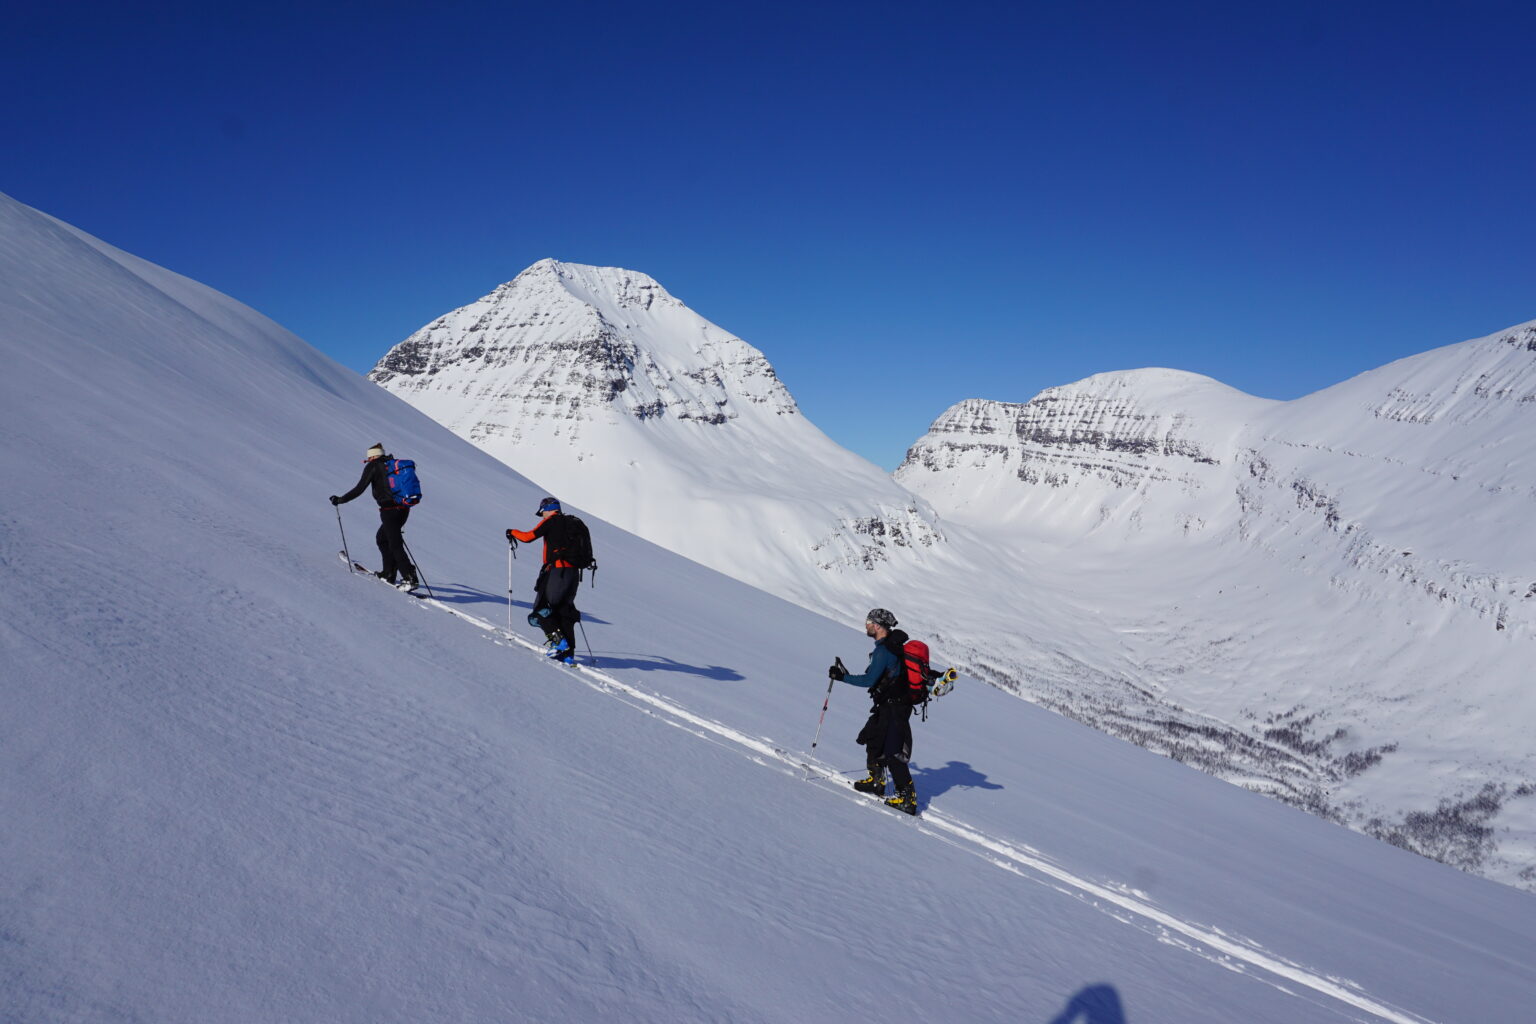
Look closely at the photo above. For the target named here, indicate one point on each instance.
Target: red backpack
(919, 676)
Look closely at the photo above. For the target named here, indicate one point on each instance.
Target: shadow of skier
(458, 593)
(720, 672)
(955, 775)
(1096, 1004)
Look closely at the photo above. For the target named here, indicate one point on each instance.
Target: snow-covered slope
(1339, 588)
(1284, 594)
(239, 784)
(599, 384)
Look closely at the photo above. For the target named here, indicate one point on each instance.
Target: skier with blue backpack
(396, 489)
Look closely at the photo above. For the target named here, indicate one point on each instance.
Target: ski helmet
(881, 617)
(549, 505)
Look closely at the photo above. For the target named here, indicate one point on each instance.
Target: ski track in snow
(1117, 901)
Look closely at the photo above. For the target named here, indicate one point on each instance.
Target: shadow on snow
(1096, 1004)
(458, 593)
(659, 664)
(955, 775)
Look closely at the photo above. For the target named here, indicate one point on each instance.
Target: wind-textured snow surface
(240, 784)
(1329, 600)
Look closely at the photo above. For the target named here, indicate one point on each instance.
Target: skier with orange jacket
(567, 550)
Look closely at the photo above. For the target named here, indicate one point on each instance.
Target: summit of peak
(1159, 382)
(567, 271)
(604, 289)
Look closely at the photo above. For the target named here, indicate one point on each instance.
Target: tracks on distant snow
(1121, 902)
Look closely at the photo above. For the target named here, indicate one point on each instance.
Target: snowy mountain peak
(1115, 433)
(566, 341)
(631, 405)
(599, 286)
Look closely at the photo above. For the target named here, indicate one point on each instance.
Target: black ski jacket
(556, 532)
(376, 473)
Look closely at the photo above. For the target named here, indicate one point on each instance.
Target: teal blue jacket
(882, 665)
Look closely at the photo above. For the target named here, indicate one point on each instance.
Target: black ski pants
(554, 603)
(887, 739)
(391, 541)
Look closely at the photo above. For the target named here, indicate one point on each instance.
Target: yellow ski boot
(904, 800)
(873, 783)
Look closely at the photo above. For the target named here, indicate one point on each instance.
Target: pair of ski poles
(511, 554)
(409, 554)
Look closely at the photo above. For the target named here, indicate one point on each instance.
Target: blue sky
(903, 204)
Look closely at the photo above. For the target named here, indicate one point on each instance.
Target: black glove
(511, 539)
(335, 500)
(837, 673)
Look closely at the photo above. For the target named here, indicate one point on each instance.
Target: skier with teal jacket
(887, 735)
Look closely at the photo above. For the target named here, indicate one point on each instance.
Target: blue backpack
(403, 485)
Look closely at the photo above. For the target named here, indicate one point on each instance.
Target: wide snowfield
(240, 784)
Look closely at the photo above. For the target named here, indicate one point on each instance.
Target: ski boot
(408, 580)
(874, 783)
(904, 800)
(556, 646)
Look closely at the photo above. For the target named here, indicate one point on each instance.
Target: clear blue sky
(903, 204)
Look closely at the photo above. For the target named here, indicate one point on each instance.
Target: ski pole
(510, 545)
(419, 574)
(584, 640)
(830, 684)
(343, 529)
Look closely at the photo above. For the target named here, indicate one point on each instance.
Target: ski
(353, 565)
(814, 770)
(358, 570)
(945, 682)
(882, 798)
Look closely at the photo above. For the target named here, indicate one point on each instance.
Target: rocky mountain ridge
(1127, 430)
(1202, 457)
